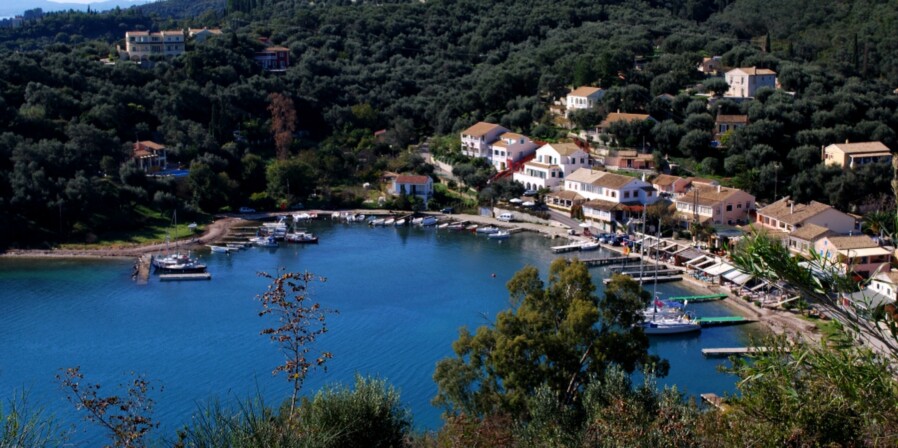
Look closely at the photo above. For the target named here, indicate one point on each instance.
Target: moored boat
(269, 241)
(500, 235)
(487, 230)
(302, 238)
(592, 245)
(399, 222)
(389, 221)
(377, 222)
(429, 221)
(219, 249)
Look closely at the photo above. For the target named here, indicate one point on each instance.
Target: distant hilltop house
(146, 45)
(745, 81)
(412, 185)
(150, 156)
(852, 155)
(725, 123)
(273, 58)
(502, 148)
(201, 34)
(552, 163)
(582, 98)
(711, 66)
(614, 117)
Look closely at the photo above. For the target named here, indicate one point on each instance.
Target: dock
(733, 351)
(566, 248)
(721, 321)
(142, 270)
(609, 261)
(698, 299)
(651, 278)
(647, 270)
(715, 400)
(184, 277)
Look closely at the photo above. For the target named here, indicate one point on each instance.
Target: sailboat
(176, 263)
(661, 319)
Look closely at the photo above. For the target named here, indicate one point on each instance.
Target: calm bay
(401, 294)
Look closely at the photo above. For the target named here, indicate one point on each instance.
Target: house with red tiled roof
(629, 160)
(670, 185)
(745, 81)
(582, 98)
(725, 123)
(150, 156)
(615, 117)
(413, 185)
(852, 155)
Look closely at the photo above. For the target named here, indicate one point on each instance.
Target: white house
(582, 98)
(420, 186)
(552, 163)
(476, 140)
(611, 198)
(745, 81)
(714, 205)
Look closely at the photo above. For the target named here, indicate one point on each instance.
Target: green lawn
(833, 333)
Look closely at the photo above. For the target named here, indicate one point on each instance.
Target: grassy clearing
(157, 227)
(832, 332)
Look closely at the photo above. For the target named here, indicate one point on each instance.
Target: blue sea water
(401, 294)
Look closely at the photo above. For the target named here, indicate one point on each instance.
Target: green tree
(556, 335)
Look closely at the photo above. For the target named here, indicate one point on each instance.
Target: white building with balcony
(501, 147)
(552, 163)
(582, 98)
(611, 199)
(145, 45)
(744, 82)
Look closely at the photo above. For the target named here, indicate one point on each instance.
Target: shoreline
(777, 321)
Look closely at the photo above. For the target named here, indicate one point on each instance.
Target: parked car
(507, 217)
(529, 192)
(448, 210)
(247, 210)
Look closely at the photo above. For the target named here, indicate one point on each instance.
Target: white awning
(719, 269)
(865, 252)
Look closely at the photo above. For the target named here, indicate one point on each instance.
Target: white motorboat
(487, 230)
(429, 221)
(269, 241)
(399, 222)
(377, 222)
(443, 225)
(457, 226)
(471, 227)
(359, 218)
(670, 325)
(236, 246)
(302, 238)
(390, 221)
(500, 235)
(219, 249)
(417, 221)
(592, 245)
(335, 215)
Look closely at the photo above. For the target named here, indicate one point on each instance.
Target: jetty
(566, 248)
(698, 299)
(650, 278)
(721, 321)
(609, 261)
(142, 270)
(184, 277)
(646, 270)
(734, 351)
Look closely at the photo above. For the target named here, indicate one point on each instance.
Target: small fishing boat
(457, 226)
(219, 249)
(399, 222)
(487, 230)
(389, 221)
(377, 222)
(335, 215)
(235, 246)
(269, 241)
(359, 218)
(500, 235)
(417, 221)
(302, 238)
(669, 325)
(471, 227)
(429, 221)
(443, 225)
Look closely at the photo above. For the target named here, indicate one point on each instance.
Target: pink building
(670, 185)
(714, 205)
(858, 254)
(629, 160)
(787, 215)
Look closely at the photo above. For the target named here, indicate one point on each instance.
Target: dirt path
(214, 232)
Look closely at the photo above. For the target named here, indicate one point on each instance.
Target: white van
(507, 217)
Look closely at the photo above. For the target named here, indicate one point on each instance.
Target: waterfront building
(849, 156)
(411, 185)
(714, 205)
(610, 199)
(552, 163)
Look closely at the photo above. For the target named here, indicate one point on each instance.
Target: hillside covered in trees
(67, 121)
